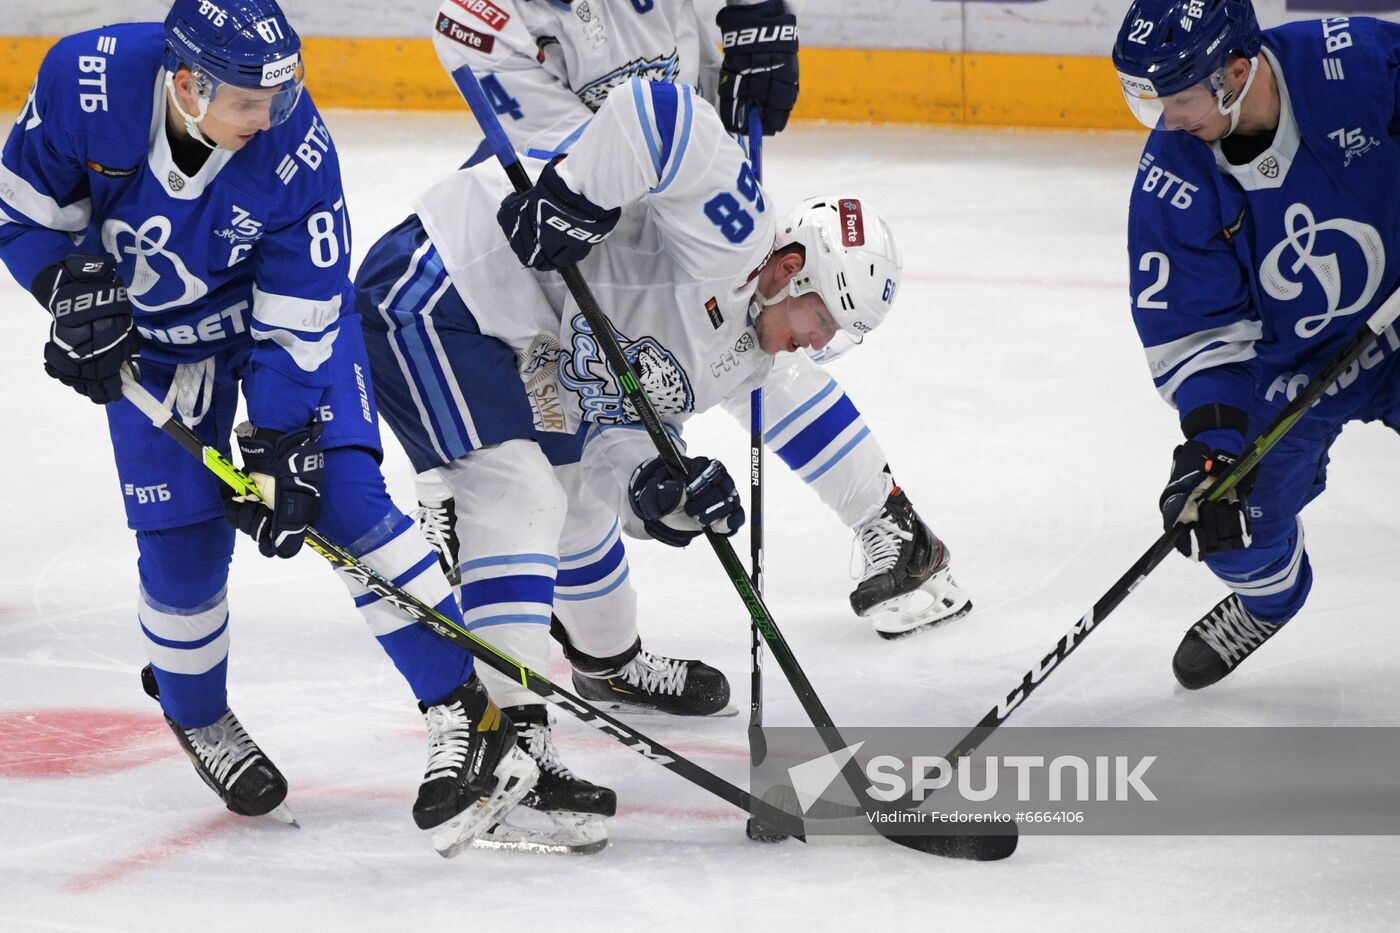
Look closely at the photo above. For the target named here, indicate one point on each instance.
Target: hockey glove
(287, 470)
(674, 514)
(91, 335)
(1216, 527)
(760, 65)
(549, 226)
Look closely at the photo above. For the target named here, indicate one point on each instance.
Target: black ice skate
(438, 522)
(230, 762)
(563, 813)
(637, 681)
(475, 773)
(906, 585)
(1219, 643)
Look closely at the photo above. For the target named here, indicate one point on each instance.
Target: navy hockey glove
(760, 65)
(674, 514)
(91, 335)
(287, 469)
(550, 227)
(1216, 527)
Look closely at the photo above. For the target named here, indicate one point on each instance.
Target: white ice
(1010, 392)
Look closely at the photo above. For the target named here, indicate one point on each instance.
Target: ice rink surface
(1010, 392)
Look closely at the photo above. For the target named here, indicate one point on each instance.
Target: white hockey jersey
(676, 276)
(547, 66)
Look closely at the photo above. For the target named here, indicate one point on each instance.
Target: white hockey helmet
(852, 262)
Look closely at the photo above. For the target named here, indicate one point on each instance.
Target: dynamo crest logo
(583, 371)
(159, 279)
(1312, 248)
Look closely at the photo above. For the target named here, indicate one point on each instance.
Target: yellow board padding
(849, 85)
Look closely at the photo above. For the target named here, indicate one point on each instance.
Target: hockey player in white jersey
(168, 191)
(546, 67)
(486, 369)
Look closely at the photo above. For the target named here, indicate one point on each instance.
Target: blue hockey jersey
(255, 246)
(1246, 278)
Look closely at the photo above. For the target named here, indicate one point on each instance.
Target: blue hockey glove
(550, 227)
(1216, 527)
(91, 335)
(674, 514)
(287, 469)
(760, 65)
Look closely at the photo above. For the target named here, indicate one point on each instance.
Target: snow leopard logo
(662, 69)
(583, 371)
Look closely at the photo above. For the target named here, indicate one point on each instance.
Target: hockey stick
(969, 846)
(1348, 356)
(414, 608)
(758, 745)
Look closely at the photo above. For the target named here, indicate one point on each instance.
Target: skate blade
(282, 814)
(556, 832)
(515, 777)
(628, 709)
(917, 612)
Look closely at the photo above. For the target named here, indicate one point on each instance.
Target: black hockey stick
(1347, 357)
(963, 846)
(758, 745)
(414, 608)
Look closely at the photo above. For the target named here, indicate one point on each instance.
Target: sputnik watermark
(1104, 778)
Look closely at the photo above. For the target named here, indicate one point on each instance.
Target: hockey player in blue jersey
(173, 199)
(1264, 227)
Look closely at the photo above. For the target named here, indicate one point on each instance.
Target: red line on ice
(152, 854)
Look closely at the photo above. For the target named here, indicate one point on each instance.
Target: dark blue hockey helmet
(1167, 46)
(242, 43)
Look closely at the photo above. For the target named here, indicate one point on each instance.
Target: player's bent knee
(185, 566)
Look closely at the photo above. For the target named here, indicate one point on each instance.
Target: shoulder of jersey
(101, 84)
(1175, 180)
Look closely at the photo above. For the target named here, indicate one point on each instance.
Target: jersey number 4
(725, 211)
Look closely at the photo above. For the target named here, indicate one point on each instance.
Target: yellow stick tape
(853, 85)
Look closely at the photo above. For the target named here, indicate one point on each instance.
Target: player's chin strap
(1232, 110)
(191, 122)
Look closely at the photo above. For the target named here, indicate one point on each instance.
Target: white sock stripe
(509, 566)
(477, 613)
(1279, 582)
(384, 620)
(400, 553)
(173, 625)
(188, 660)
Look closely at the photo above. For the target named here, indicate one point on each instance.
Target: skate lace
(222, 747)
(435, 525)
(656, 674)
(1230, 630)
(878, 542)
(539, 744)
(449, 739)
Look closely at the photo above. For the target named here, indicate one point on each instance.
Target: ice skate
(906, 585)
(230, 762)
(1219, 643)
(563, 814)
(638, 681)
(475, 772)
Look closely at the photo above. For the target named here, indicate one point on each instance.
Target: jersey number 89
(725, 211)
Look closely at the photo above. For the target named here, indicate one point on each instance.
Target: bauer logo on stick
(852, 223)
